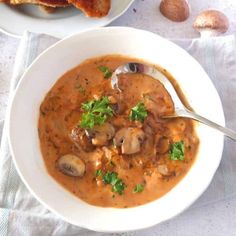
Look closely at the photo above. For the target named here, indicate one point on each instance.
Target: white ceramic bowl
(68, 53)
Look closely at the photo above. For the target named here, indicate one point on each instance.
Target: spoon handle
(189, 114)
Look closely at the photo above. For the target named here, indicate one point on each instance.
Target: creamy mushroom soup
(112, 148)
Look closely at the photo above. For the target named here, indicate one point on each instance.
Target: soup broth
(111, 148)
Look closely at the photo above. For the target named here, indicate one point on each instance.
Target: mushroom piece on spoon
(211, 23)
(175, 10)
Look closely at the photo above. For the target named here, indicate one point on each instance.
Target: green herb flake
(98, 173)
(96, 112)
(177, 151)
(138, 112)
(118, 187)
(106, 72)
(138, 188)
(111, 178)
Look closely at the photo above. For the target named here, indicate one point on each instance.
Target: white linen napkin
(22, 214)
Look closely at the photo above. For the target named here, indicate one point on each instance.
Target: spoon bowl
(180, 109)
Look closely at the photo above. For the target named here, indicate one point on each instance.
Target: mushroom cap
(129, 139)
(71, 165)
(175, 10)
(162, 144)
(101, 134)
(211, 20)
(163, 169)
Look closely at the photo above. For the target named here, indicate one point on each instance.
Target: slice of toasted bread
(93, 8)
(47, 3)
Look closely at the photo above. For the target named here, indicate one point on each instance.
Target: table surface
(218, 218)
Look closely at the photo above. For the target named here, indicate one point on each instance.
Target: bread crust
(93, 8)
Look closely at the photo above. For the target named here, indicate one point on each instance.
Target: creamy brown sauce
(60, 113)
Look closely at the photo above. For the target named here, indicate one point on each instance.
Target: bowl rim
(10, 119)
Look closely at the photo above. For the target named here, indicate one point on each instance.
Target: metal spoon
(180, 109)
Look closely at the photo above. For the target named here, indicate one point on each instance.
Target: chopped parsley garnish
(138, 188)
(98, 173)
(106, 72)
(111, 178)
(138, 112)
(177, 151)
(96, 112)
(118, 187)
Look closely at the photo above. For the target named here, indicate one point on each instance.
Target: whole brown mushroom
(71, 165)
(211, 23)
(175, 10)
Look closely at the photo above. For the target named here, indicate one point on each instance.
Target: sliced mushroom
(100, 135)
(96, 158)
(162, 144)
(129, 139)
(71, 165)
(175, 10)
(211, 23)
(117, 106)
(80, 139)
(163, 170)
